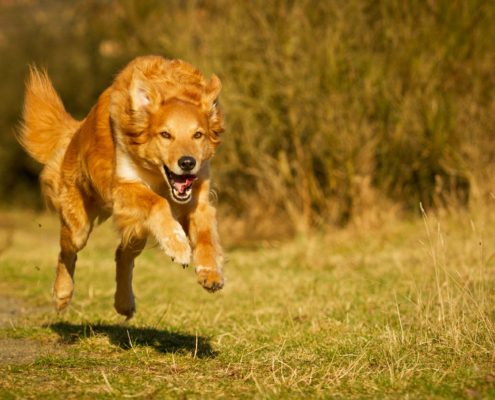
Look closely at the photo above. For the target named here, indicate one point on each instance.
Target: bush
(331, 107)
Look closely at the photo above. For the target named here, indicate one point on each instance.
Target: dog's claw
(211, 279)
(177, 247)
(184, 266)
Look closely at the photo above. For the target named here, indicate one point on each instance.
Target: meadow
(404, 311)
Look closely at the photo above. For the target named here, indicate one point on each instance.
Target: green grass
(404, 311)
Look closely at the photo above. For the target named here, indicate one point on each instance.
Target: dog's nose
(187, 163)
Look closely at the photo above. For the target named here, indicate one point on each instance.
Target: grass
(401, 311)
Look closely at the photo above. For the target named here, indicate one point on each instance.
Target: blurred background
(336, 111)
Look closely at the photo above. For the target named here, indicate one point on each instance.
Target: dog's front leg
(138, 210)
(207, 253)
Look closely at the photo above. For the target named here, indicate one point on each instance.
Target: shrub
(326, 102)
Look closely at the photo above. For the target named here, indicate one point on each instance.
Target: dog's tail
(46, 125)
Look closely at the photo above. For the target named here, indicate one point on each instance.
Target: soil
(23, 351)
(10, 310)
(17, 351)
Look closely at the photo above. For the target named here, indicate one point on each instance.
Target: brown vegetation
(332, 108)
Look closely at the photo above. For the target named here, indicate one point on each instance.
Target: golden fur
(142, 155)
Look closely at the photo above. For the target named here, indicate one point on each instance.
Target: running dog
(142, 154)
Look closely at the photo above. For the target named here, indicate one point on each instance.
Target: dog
(142, 154)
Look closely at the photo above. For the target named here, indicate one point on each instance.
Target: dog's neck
(126, 169)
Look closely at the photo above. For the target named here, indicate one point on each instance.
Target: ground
(403, 310)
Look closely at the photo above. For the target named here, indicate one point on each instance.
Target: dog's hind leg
(124, 257)
(76, 227)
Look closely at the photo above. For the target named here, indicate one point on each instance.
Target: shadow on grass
(127, 337)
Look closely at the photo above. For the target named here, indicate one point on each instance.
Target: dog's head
(167, 119)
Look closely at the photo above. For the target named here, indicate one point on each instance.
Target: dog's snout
(187, 163)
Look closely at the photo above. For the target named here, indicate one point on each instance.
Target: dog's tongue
(182, 182)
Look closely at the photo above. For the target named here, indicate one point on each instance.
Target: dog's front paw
(177, 247)
(210, 278)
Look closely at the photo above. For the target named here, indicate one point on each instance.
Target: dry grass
(404, 311)
(331, 107)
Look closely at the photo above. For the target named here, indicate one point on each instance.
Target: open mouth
(180, 185)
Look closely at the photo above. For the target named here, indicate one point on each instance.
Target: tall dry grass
(334, 109)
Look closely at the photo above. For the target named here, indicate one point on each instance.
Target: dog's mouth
(180, 185)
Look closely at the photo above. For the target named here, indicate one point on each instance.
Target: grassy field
(403, 311)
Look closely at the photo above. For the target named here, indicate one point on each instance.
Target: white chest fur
(126, 169)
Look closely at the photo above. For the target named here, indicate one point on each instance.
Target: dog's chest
(127, 170)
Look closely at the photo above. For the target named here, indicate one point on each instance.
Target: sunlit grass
(404, 310)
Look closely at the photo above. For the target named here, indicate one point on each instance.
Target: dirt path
(10, 310)
(16, 351)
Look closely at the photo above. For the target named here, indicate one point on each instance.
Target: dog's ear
(212, 91)
(210, 103)
(140, 92)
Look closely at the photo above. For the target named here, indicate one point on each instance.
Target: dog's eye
(166, 135)
(198, 135)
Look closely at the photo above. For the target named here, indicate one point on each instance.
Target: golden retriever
(142, 154)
